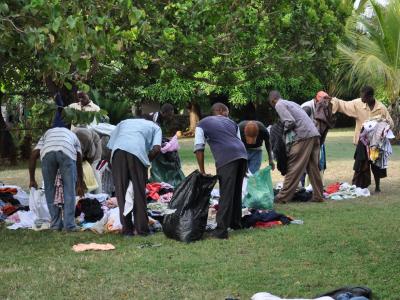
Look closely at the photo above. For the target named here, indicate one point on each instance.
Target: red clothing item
(9, 209)
(153, 189)
(268, 224)
(333, 188)
(12, 191)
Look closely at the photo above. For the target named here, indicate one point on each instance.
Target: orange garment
(12, 191)
(92, 246)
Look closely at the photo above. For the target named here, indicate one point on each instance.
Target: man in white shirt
(84, 103)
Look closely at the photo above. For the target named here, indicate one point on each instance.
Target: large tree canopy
(235, 47)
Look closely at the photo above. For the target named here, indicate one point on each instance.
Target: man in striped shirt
(59, 149)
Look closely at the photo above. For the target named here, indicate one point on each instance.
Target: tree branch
(12, 23)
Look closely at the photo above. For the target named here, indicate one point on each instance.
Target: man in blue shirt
(134, 143)
(223, 137)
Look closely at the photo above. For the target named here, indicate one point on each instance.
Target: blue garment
(223, 136)
(51, 162)
(254, 160)
(322, 158)
(349, 296)
(58, 121)
(136, 136)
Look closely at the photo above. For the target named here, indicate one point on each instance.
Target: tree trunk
(394, 110)
(194, 117)
(7, 146)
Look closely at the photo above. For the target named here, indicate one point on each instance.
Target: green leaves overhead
(177, 49)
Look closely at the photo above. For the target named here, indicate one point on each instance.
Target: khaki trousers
(303, 156)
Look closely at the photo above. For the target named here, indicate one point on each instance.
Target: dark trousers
(127, 167)
(230, 179)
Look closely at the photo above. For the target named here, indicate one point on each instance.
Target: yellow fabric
(88, 177)
(374, 154)
(361, 112)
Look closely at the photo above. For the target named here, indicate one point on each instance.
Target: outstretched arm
(345, 107)
(32, 168)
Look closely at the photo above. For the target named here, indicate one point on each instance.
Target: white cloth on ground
(99, 197)
(129, 198)
(268, 296)
(27, 220)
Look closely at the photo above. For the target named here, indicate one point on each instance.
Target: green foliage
(73, 116)
(371, 52)
(175, 51)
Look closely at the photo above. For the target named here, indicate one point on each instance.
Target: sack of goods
(191, 201)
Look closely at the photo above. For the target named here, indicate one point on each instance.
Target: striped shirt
(59, 139)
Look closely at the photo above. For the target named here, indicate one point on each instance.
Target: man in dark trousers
(134, 143)
(304, 148)
(223, 137)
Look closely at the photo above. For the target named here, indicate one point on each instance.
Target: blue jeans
(51, 162)
(254, 160)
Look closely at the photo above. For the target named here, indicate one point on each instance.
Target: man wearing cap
(253, 134)
(310, 107)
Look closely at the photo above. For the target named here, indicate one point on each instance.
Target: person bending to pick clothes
(304, 151)
(223, 136)
(59, 149)
(134, 143)
(253, 134)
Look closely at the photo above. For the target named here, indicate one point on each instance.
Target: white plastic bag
(38, 205)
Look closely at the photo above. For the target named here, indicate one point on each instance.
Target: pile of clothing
(344, 293)
(301, 194)
(12, 200)
(373, 151)
(266, 219)
(343, 191)
(159, 192)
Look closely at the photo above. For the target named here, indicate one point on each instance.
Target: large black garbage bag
(191, 201)
(167, 168)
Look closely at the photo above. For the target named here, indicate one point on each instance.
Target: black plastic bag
(191, 201)
(91, 209)
(356, 291)
(167, 168)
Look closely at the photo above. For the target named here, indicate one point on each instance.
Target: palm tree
(370, 52)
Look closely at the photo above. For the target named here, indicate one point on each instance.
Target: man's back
(295, 118)
(221, 133)
(59, 139)
(136, 136)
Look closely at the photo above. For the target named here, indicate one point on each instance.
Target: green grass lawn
(354, 242)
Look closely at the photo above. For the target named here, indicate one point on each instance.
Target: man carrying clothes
(363, 109)
(59, 149)
(223, 136)
(134, 143)
(253, 134)
(91, 150)
(310, 107)
(304, 151)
